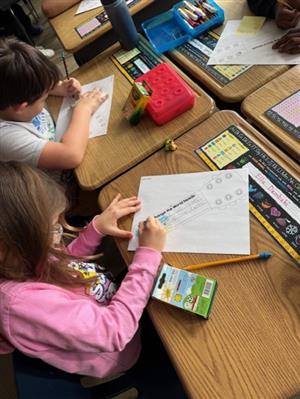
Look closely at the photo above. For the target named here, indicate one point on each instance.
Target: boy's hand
(68, 87)
(71, 87)
(107, 221)
(152, 234)
(289, 43)
(92, 100)
(286, 17)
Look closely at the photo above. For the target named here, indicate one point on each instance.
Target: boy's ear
(20, 107)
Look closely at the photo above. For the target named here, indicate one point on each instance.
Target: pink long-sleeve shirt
(69, 329)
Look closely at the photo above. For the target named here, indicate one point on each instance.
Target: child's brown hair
(25, 73)
(30, 201)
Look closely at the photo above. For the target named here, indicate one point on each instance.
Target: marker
(186, 18)
(194, 9)
(262, 256)
(65, 65)
(209, 8)
(191, 14)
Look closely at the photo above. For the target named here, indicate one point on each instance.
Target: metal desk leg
(21, 28)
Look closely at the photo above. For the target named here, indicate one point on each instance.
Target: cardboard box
(185, 290)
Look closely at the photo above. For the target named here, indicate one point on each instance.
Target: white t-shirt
(24, 141)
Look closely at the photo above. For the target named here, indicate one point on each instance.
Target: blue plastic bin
(169, 30)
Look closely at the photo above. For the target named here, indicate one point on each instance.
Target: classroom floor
(48, 39)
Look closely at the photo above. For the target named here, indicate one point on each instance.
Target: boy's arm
(263, 7)
(51, 8)
(69, 153)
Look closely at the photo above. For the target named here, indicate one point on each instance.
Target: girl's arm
(104, 224)
(68, 154)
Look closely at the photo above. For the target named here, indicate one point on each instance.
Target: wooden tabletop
(65, 23)
(250, 347)
(124, 146)
(255, 105)
(239, 88)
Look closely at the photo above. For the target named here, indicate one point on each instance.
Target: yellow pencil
(263, 255)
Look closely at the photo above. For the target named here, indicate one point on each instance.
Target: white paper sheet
(87, 5)
(202, 212)
(233, 48)
(99, 120)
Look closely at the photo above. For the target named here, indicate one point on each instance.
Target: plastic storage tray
(171, 96)
(169, 30)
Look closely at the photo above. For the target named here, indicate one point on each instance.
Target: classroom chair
(6, 5)
(36, 379)
(31, 10)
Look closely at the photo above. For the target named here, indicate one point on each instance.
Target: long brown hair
(29, 201)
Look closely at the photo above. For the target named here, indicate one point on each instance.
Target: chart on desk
(286, 114)
(274, 194)
(199, 49)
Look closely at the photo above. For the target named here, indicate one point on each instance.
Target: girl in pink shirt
(53, 305)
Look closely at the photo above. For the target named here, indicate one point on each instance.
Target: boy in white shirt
(27, 131)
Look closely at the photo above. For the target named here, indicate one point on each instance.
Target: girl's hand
(68, 87)
(107, 221)
(152, 234)
(91, 100)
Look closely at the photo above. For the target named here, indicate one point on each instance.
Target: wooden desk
(239, 88)
(255, 105)
(250, 347)
(64, 26)
(124, 146)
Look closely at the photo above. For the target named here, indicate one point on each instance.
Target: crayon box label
(136, 102)
(185, 290)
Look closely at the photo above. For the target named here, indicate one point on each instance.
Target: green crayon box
(185, 290)
(136, 102)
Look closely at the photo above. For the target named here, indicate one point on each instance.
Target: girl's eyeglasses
(57, 231)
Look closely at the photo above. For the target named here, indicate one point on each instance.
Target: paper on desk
(233, 48)
(87, 5)
(250, 25)
(100, 119)
(202, 212)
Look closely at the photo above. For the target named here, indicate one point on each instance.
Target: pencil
(65, 65)
(262, 255)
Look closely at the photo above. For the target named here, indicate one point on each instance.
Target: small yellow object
(170, 145)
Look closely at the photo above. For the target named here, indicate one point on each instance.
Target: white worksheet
(202, 212)
(233, 48)
(87, 5)
(99, 120)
